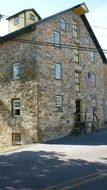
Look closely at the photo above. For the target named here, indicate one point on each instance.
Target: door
(78, 110)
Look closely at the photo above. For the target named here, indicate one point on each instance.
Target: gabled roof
(80, 9)
(85, 21)
(23, 11)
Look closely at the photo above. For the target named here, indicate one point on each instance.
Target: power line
(68, 46)
(100, 27)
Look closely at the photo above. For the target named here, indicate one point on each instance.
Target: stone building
(51, 73)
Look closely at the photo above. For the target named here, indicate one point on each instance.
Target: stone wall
(24, 88)
(54, 124)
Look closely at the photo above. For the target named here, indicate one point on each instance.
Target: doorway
(78, 110)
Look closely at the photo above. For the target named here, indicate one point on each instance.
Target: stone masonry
(37, 86)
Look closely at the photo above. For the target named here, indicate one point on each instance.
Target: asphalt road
(71, 163)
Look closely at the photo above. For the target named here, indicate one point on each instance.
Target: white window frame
(16, 137)
(58, 103)
(93, 79)
(16, 70)
(77, 81)
(87, 39)
(62, 24)
(56, 38)
(94, 103)
(16, 20)
(92, 56)
(32, 17)
(76, 54)
(16, 107)
(57, 71)
(75, 29)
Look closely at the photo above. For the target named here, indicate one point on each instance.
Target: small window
(16, 107)
(58, 103)
(77, 81)
(87, 39)
(62, 24)
(76, 54)
(16, 137)
(93, 79)
(92, 56)
(16, 20)
(94, 104)
(57, 71)
(32, 17)
(56, 38)
(75, 29)
(16, 71)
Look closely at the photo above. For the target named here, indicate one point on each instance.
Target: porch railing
(87, 122)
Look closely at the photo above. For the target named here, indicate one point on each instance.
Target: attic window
(16, 20)
(62, 24)
(87, 39)
(75, 29)
(32, 17)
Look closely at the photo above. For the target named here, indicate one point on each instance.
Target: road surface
(70, 163)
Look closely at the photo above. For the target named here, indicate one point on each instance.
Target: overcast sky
(97, 15)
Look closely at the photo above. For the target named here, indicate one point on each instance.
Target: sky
(97, 15)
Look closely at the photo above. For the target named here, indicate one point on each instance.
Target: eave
(80, 9)
(98, 47)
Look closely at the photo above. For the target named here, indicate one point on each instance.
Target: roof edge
(59, 13)
(23, 30)
(80, 9)
(39, 17)
(88, 26)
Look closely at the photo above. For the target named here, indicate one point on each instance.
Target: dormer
(22, 19)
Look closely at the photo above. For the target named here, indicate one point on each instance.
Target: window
(93, 79)
(77, 81)
(75, 29)
(16, 20)
(57, 71)
(32, 17)
(87, 39)
(58, 103)
(16, 137)
(94, 104)
(16, 107)
(76, 54)
(92, 56)
(56, 38)
(16, 71)
(62, 24)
